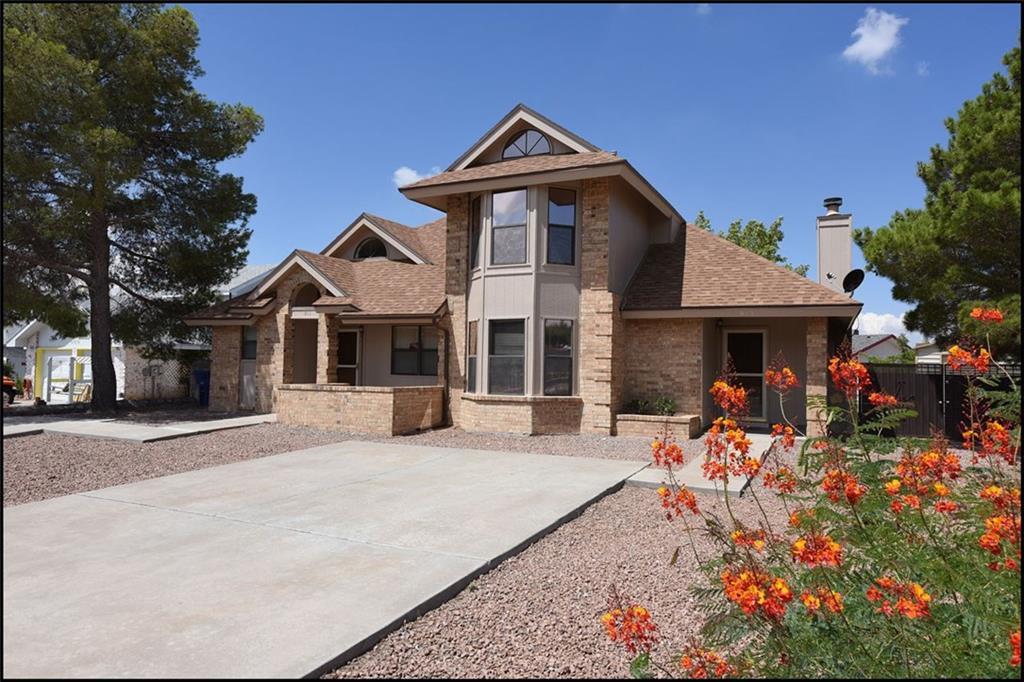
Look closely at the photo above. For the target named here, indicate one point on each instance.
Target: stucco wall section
(225, 355)
(664, 357)
(601, 341)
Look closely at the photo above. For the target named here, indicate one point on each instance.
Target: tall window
(557, 357)
(506, 367)
(508, 220)
(414, 350)
(476, 232)
(527, 143)
(471, 358)
(248, 343)
(561, 226)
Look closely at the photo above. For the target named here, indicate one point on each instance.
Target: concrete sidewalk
(276, 567)
(121, 430)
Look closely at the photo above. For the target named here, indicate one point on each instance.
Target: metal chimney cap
(833, 202)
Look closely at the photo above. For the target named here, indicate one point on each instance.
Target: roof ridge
(747, 252)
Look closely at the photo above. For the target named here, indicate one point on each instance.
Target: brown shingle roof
(523, 166)
(383, 287)
(701, 269)
(426, 240)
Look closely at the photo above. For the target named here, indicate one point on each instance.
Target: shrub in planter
(900, 557)
(638, 407)
(665, 406)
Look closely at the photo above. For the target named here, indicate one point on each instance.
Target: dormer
(370, 237)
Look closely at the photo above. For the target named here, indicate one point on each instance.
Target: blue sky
(742, 111)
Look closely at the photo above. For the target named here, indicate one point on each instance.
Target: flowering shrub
(894, 557)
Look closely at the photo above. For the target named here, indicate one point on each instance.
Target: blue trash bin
(202, 379)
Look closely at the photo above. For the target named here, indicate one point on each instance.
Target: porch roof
(701, 271)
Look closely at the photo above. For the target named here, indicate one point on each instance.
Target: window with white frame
(557, 357)
(508, 227)
(561, 226)
(471, 354)
(506, 359)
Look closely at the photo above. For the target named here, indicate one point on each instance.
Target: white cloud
(878, 34)
(406, 176)
(703, 9)
(922, 69)
(884, 323)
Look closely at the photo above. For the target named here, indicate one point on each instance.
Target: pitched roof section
(707, 271)
(862, 342)
(521, 166)
(427, 240)
(521, 113)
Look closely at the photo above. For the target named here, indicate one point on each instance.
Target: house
(879, 346)
(929, 353)
(43, 355)
(558, 286)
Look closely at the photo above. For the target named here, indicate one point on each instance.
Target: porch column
(817, 371)
(225, 359)
(326, 348)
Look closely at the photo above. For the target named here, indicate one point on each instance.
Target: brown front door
(348, 357)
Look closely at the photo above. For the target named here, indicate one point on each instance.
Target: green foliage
(755, 236)
(664, 406)
(640, 667)
(111, 174)
(965, 244)
(1003, 339)
(638, 406)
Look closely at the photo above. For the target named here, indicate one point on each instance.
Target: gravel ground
(49, 465)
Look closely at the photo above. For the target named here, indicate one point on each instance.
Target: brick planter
(366, 409)
(682, 426)
(521, 414)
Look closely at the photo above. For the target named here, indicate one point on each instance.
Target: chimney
(835, 244)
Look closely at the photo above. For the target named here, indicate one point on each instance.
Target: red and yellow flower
(911, 599)
(816, 550)
(958, 357)
(731, 398)
(632, 627)
(830, 599)
(848, 375)
(674, 504)
(987, 315)
(880, 399)
(755, 591)
(701, 664)
(839, 483)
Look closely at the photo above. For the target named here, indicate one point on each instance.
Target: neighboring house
(558, 286)
(929, 353)
(44, 356)
(879, 346)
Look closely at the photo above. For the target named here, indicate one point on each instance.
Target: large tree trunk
(104, 382)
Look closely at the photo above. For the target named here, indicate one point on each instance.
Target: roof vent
(832, 205)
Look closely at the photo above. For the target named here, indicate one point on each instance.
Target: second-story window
(475, 233)
(508, 227)
(561, 226)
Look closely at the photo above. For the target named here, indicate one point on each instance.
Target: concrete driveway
(273, 567)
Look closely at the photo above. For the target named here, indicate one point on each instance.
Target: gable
(385, 230)
(489, 147)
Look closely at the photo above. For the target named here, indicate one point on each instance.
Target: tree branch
(133, 252)
(85, 277)
(137, 295)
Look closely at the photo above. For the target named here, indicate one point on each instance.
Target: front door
(348, 357)
(747, 351)
(247, 370)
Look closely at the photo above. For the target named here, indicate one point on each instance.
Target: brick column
(326, 349)
(817, 370)
(455, 285)
(601, 328)
(225, 371)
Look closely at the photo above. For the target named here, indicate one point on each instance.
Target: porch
(386, 410)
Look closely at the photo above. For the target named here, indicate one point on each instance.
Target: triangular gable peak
(365, 223)
(489, 148)
(297, 260)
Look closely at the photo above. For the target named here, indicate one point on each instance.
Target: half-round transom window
(527, 143)
(371, 248)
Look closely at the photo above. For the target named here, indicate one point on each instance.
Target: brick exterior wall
(817, 369)
(664, 357)
(521, 414)
(275, 345)
(382, 410)
(225, 355)
(602, 344)
(650, 425)
(455, 287)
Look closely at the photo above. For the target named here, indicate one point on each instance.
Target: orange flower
(1015, 648)
(732, 399)
(911, 598)
(924, 473)
(675, 504)
(786, 434)
(701, 664)
(755, 591)
(997, 440)
(999, 529)
(848, 375)
(832, 600)
(632, 627)
(965, 357)
(781, 379)
(816, 550)
(838, 483)
(946, 507)
(666, 453)
(755, 539)
(727, 450)
(987, 315)
(893, 487)
(1002, 499)
(783, 479)
(882, 400)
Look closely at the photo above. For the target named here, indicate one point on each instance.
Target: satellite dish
(853, 280)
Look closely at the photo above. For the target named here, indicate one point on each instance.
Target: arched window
(305, 295)
(527, 143)
(371, 247)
